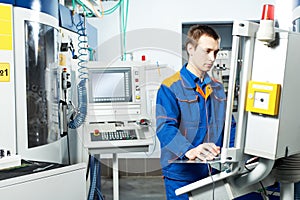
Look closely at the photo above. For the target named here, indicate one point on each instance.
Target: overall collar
(189, 80)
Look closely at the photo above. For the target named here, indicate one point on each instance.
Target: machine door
(41, 91)
(37, 95)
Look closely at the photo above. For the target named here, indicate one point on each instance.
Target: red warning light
(143, 58)
(268, 12)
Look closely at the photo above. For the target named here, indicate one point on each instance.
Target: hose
(82, 105)
(83, 75)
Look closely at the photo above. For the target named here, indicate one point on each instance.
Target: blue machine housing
(296, 3)
(7, 1)
(67, 20)
(45, 6)
(70, 21)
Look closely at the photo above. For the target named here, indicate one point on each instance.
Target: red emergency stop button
(96, 132)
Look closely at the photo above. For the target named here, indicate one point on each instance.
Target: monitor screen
(110, 85)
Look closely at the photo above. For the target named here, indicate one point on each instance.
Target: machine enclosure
(273, 137)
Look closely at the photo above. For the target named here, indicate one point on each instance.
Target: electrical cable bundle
(95, 170)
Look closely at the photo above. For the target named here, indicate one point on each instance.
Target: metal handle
(231, 88)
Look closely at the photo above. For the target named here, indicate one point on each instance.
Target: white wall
(154, 27)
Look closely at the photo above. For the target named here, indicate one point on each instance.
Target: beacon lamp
(266, 31)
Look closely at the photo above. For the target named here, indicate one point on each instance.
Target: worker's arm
(167, 122)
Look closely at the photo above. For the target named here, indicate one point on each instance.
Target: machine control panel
(116, 138)
(97, 135)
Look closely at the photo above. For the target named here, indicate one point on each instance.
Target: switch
(96, 132)
(263, 98)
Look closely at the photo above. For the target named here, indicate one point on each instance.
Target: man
(190, 113)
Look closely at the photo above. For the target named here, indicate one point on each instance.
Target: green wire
(73, 4)
(91, 14)
(124, 17)
(88, 14)
(111, 10)
(122, 30)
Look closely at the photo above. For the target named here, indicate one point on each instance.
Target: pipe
(262, 170)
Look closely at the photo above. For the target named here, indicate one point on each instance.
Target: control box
(111, 138)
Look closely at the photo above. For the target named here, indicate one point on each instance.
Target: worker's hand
(205, 151)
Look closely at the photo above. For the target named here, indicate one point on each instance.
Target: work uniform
(188, 113)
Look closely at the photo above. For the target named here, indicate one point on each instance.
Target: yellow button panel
(263, 98)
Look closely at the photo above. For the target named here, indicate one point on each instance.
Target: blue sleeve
(167, 123)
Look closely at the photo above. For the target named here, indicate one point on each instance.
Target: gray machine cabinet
(65, 183)
(273, 137)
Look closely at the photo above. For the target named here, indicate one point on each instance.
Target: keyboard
(97, 135)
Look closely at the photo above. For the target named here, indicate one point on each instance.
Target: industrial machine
(267, 118)
(121, 106)
(117, 117)
(121, 109)
(33, 84)
(39, 78)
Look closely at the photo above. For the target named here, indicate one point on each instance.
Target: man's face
(203, 56)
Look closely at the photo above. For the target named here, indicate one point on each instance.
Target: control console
(111, 138)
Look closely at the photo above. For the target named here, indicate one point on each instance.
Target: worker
(190, 114)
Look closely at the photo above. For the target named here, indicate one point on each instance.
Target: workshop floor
(135, 188)
(150, 188)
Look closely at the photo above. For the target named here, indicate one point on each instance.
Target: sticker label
(4, 72)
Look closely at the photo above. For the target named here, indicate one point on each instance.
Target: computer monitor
(116, 92)
(110, 85)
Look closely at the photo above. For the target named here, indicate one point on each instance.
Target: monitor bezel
(127, 76)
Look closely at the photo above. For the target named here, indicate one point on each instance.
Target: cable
(260, 182)
(154, 143)
(83, 75)
(213, 182)
(68, 148)
(123, 26)
(82, 106)
(95, 168)
(83, 48)
(88, 168)
(91, 11)
(113, 9)
(93, 179)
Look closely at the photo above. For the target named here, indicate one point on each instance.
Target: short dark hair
(196, 31)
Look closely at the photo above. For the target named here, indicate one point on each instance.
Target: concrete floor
(152, 188)
(135, 188)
